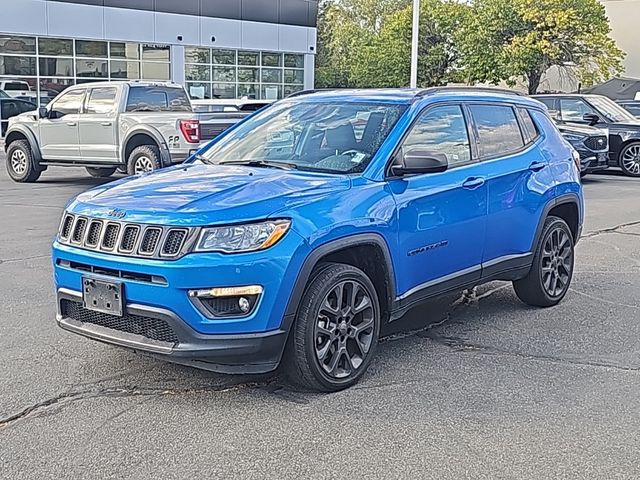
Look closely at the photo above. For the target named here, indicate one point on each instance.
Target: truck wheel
(336, 331)
(143, 159)
(20, 165)
(101, 172)
(550, 276)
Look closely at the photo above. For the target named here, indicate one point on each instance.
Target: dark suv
(596, 110)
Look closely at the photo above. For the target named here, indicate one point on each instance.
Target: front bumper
(593, 162)
(248, 353)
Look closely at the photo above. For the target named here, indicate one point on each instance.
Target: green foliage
(367, 43)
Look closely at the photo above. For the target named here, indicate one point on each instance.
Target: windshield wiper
(262, 163)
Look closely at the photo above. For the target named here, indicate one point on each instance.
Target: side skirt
(508, 268)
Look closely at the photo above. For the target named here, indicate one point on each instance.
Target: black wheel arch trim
(36, 155)
(563, 199)
(334, 246)
(165, 156)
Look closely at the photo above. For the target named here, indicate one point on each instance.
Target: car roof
(132, 83)
(411, 95)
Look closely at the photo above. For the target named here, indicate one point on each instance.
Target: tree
(501, 40)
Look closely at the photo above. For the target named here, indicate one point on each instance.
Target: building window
(49, 65)
(224, 73)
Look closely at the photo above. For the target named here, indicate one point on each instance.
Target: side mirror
(591, 118)
(419, 161)
(43, 112)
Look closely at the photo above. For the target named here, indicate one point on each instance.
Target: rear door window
(498, 130)
(157, 99)
(102, 100)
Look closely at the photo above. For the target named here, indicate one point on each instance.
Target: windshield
(340, 137)
(611, 110)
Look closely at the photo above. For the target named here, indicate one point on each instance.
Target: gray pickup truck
(133, 126)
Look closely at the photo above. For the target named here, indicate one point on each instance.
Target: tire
(143, 159)
(630, 159)
(101, 172)
(554, 258)
(20, 164)
(330, 346)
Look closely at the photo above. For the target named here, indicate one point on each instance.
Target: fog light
(244, 305)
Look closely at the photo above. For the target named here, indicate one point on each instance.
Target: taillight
(190, 130)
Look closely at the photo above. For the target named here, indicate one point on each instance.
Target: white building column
(309, 71)
(177, 64)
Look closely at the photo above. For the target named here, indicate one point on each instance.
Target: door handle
(105, 124)
(472, 183)
(537, 166)
(72, 124)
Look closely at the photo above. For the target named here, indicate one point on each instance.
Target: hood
(585, 130)
(199, 194)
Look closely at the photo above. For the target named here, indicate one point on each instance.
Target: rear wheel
(20, 164)
(144, 159)
(336, 331)
(101, 172)
(550, 276)
(630, 159)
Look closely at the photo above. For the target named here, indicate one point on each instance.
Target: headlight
(573, 138)
(242, 238)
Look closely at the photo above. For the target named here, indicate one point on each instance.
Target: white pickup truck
(138, 126)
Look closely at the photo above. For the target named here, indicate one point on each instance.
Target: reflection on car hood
(206, 194)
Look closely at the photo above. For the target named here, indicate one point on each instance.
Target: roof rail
(453, 88)
(310, 91)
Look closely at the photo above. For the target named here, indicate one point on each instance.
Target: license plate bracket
(101, 296)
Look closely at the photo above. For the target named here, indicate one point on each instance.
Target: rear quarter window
(529, 129)
(157, 99)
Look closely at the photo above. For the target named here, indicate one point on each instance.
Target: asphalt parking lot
(484, 387)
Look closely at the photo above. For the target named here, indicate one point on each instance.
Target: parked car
(22, 91)
(601, 112)
(632, 106)
(229, 105)
(292, 241)
(10, 107)
(591, 143)
(140, 126)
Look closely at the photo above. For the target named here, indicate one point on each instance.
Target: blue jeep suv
(294, 236)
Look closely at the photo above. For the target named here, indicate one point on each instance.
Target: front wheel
(101, 172)
(20, 164)
(336, 331)
(550, 276)
(630, 159)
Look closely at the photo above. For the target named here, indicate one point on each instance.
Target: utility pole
(415, 34)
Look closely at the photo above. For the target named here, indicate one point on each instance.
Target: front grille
(78, 230)
(110, 236)
(150, 241)
(173, 242)
(152, 328)
(93, 236)
(128, 239)
(597, 143)
(67, 223)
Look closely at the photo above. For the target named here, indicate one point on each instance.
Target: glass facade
(223, 73)
(49, 65)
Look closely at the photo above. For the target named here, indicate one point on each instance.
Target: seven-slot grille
(597, 143)
(122, 238)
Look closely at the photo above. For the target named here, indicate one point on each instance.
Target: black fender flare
(333, 246)
(561, 200)
(31, 138)
(165, 157)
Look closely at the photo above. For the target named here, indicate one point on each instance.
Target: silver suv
(132, 126)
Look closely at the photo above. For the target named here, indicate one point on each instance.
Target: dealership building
(215, 48)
